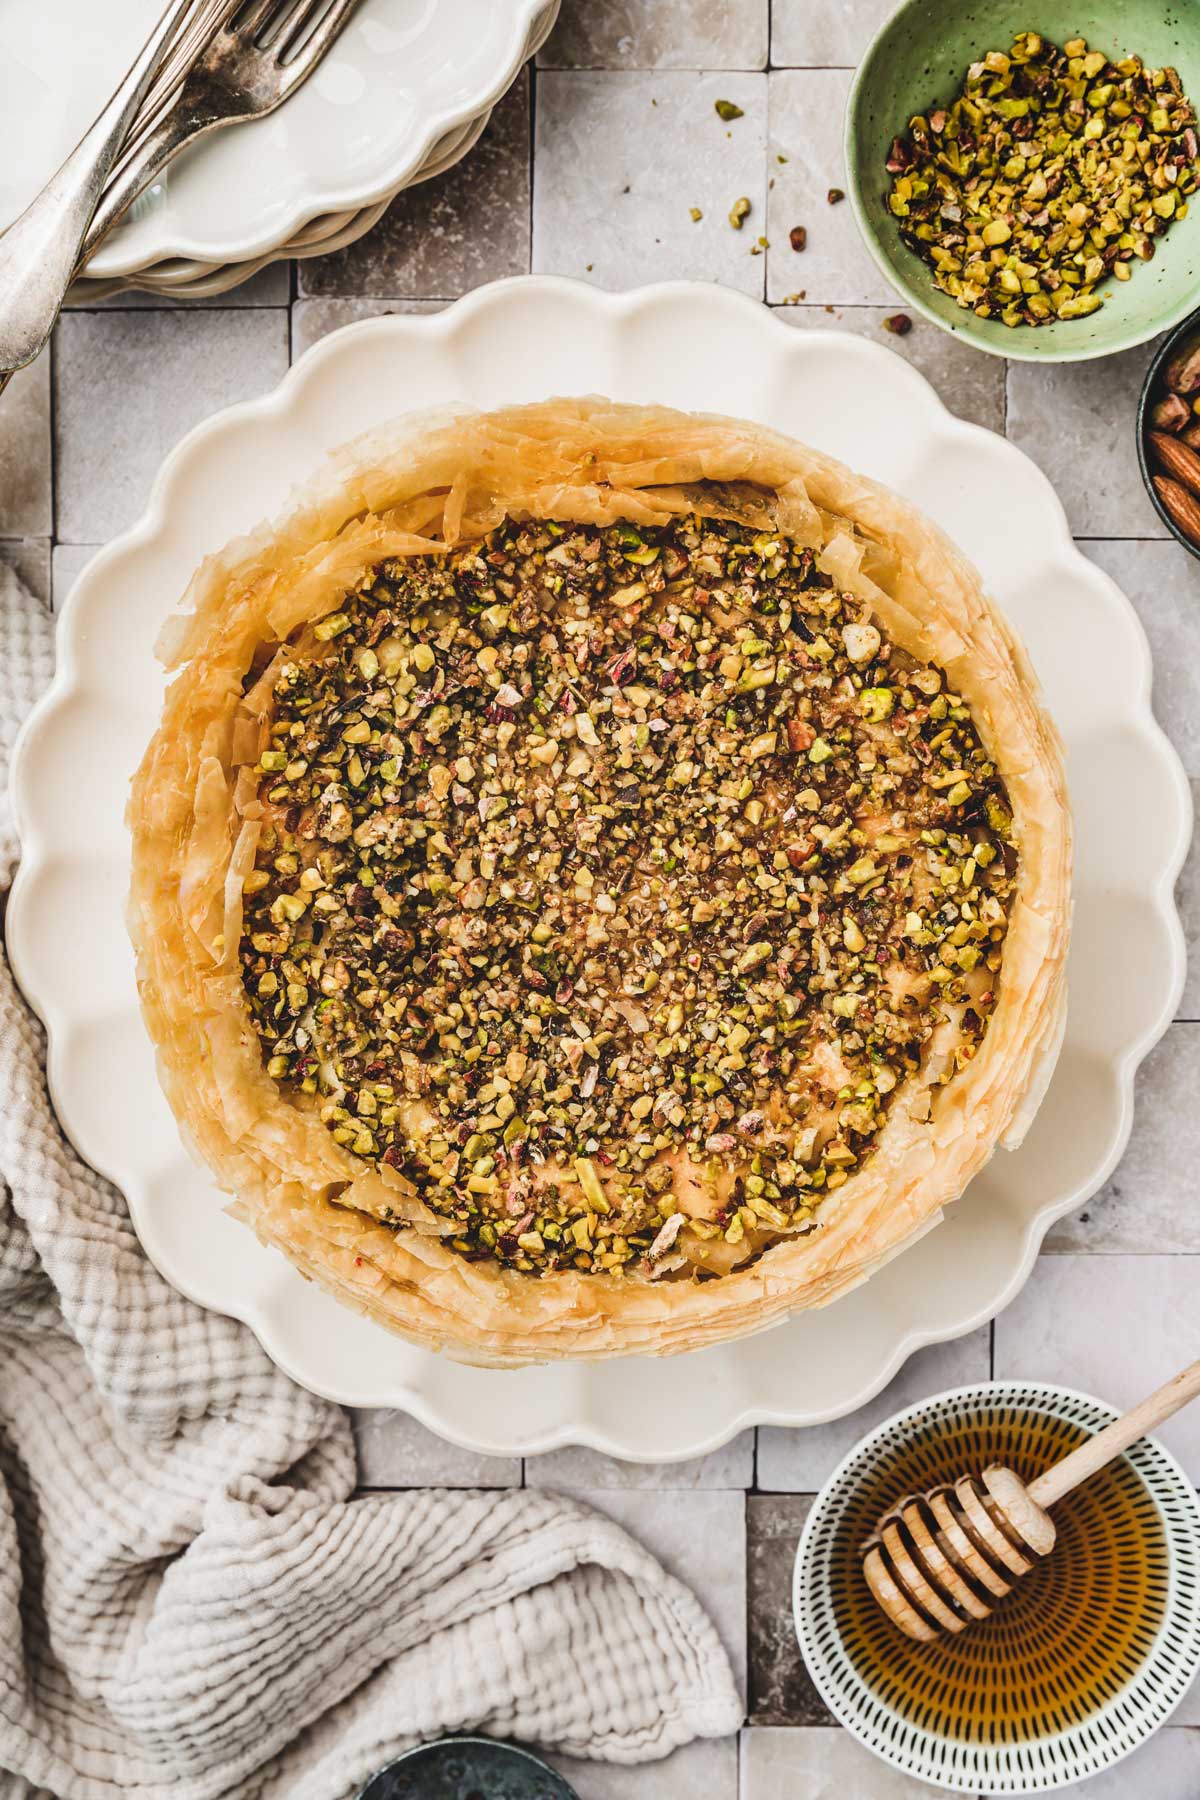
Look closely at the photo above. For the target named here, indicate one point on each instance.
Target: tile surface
(129, 385)
(1149, 1203)
(702, 1771)
(1188, 1711)
(819, 34)
(619, 161)
(805, 112)
(394, 1451)
(730, 1467)
(1114, 1326)
(801, 1461)
(30, 557)
(780, 1691)
(68, 563)
(1163, 582)
(819, 1764)
(646, 34)
(1166, 1768)
(448, 235)
(26, 481)
(970, 385)
(1076, 420)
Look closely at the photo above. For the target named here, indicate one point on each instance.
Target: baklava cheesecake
(601, 882)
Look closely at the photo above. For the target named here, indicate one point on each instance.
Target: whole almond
(1179, 462)
(1181, 506)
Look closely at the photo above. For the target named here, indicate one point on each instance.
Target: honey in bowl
(1070, 1637)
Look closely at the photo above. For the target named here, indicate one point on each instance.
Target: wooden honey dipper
(941, 1559)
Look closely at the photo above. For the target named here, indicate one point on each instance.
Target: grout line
(747, 1631)
(379, 299)
(424, 1487)
(660, 69)
(52, 353)
(533, 101)
(767, 68)
(156, 303)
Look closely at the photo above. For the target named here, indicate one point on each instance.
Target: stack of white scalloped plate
(404, 93)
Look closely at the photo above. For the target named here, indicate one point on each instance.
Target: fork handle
(1108, 1444)
(181, 122)
(39, 250)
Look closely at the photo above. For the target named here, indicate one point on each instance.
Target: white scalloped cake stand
(686, 345)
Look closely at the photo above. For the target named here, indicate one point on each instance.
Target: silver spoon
(39, 251)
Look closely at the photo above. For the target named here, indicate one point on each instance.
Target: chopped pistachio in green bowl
(918, 61)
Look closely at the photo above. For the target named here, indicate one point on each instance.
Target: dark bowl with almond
(1168, 433)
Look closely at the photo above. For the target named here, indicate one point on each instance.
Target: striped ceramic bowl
(1079, 1665)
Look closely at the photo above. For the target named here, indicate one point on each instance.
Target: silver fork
(258, 57)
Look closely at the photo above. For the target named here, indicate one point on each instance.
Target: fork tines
(288, 26)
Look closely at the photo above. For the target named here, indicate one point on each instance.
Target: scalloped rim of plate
(179, 279)
(531, 24)
(1053, 1392)
(462, 316)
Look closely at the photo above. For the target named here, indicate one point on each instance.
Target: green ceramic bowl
(919, 58)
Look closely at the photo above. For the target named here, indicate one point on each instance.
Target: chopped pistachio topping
(610, 881)
(1049, 171)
